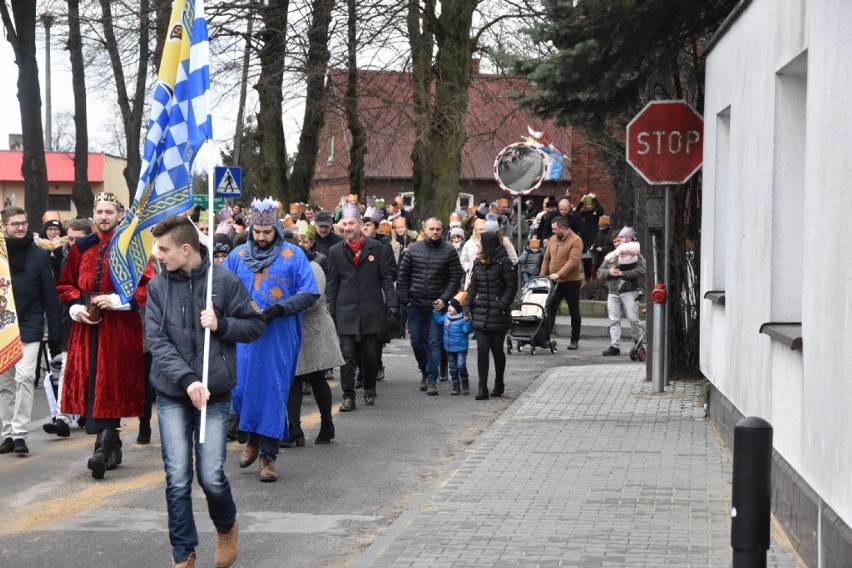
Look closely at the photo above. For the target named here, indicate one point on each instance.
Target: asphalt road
(329, 504)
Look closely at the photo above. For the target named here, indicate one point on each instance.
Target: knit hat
(455, 304)
(457, 232)
(55, 223)
(604, 220)
(628, 233)
(461, 297)
(491, 224)
(221, 243)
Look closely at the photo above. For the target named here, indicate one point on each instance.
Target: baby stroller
(638, 351)
(530, 319)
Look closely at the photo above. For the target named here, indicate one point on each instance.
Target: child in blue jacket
(456, 328)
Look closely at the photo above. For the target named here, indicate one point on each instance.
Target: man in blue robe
(281, 283)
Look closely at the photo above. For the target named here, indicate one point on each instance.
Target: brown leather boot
(188, 563)
(226, 547)
(267, 469)
(251, 451)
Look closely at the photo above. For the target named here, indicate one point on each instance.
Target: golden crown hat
(107, 197)
(264, 213)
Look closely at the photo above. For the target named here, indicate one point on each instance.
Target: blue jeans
(458, 365)
(425, 341)
(179, 425)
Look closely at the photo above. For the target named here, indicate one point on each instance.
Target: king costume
(281, 284)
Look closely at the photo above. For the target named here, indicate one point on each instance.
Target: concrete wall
(777, 162)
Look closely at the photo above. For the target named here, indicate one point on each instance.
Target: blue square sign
(228, 181)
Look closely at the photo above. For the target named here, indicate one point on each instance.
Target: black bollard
(751, 494)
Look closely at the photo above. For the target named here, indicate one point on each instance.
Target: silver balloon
(520, 168)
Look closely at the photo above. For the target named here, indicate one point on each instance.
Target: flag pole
(208, 301)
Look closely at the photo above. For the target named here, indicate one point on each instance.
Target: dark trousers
(490, 343)
(570, 292)
(359, 352)
(321, 392)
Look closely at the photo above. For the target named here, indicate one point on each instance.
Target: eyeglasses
(18, 224)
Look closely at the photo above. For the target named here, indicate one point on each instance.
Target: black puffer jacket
(430, 270)
(491, 291)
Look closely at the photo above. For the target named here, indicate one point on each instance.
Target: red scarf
(355, 247)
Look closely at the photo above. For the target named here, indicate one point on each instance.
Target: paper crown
(350, 210)
(374, 213)
(303, 229)
(296, 208)
(461, 297)
(534, 242)
(604, 220)
(107, 197)
(455, 217)
(288, 221)
(380, 203)
(264, 213)
(385, 227)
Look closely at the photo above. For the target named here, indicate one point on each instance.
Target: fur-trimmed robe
(120, 381)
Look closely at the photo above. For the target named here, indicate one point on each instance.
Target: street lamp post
(47, 19)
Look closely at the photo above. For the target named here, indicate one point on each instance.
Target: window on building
(408, 200)
(59, 202)
(330, 160)
(788, 191)
(464, 201)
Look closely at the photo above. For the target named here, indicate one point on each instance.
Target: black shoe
(573, 346)
(611, 351)
(21, 446)
(358, 385)
(482, 394)
(60, 428)
(380, 374)
(497, 391)
(456, 388)
(444, 378)
(348, 405)
(423, 383)
(432, 389)
(97, 463)
(7, 446)
(326, 433)
(144, 436)
(369, 397)
(233, 426)
(242, 437)
(465, 386)
(296, 437)
(306, 388)
(113, 458)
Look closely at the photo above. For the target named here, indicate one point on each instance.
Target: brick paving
(587, 468)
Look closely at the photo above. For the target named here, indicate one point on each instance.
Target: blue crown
(264, 213)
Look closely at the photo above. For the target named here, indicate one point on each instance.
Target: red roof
(60, 166)
(494, 120)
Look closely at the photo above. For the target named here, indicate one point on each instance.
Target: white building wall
(755, 229)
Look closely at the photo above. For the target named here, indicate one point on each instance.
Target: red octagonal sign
(665, 142)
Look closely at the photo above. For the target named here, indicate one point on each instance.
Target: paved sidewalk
(587, 468)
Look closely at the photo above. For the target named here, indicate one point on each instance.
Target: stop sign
(665, 142)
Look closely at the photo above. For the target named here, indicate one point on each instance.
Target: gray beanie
(491, 224)
(457, 232)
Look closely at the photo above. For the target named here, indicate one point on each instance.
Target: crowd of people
(295, 295)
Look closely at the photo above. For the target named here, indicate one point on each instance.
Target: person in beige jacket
(563, 265)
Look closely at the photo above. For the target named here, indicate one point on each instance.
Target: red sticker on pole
(665, 142)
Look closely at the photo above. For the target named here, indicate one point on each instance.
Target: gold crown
(106, 197)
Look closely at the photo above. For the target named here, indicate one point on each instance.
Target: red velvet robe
(120, 381)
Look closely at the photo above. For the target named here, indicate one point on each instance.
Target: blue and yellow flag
(179, 124)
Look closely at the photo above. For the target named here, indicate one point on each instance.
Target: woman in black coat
(492, 288)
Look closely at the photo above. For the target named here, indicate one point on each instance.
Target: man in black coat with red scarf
(360, 294)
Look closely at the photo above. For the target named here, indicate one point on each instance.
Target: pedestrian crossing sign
(228, 181)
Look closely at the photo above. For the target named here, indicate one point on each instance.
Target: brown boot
(250, 452)
(188, 563)
(267, 469)
(226, 547)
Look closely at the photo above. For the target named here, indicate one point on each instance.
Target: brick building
(494, 121)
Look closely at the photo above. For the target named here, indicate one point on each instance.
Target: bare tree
(21, 35)
(81, 193)
(316, 71)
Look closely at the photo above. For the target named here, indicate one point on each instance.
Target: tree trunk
(162, 15)
(21, 35)
(272, 171)
(81, 193)
(131, 109)
(358, 149)
(422, 41)
(445, 136)
(315, 102)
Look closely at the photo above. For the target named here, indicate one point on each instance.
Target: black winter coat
(34, 288)
(491, 291)
(429, 271)
(323, 245)
(358, 296)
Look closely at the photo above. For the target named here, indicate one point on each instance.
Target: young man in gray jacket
(176, 319)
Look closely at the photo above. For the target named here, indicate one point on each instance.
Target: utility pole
(47, 19)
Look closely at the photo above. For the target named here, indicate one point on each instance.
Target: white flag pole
(211, 215)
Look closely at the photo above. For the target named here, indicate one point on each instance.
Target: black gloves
(393, 313)
(272, 312)
(53, 348)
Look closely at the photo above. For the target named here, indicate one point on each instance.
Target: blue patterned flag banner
(179, 124)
